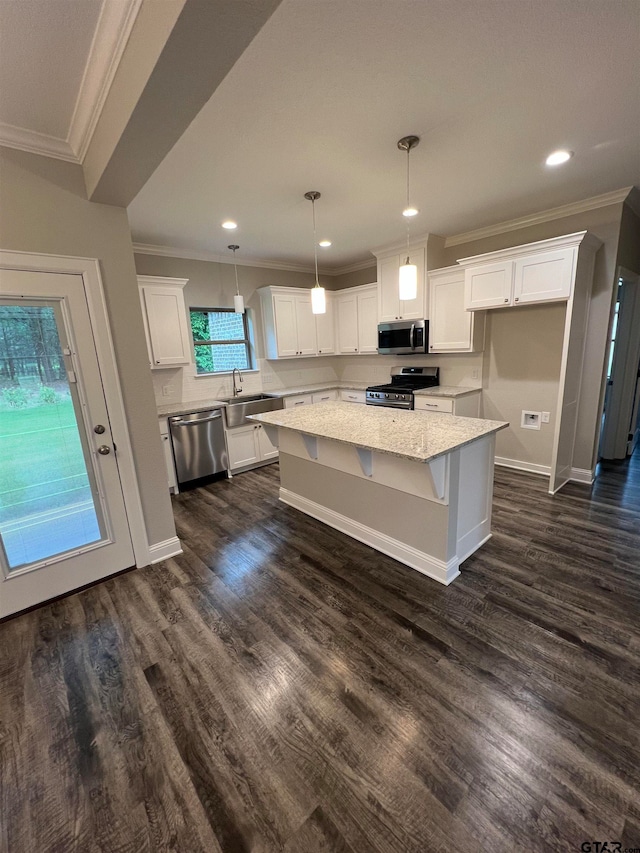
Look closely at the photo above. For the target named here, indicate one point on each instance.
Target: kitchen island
(417, 486)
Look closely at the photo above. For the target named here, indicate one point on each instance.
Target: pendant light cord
(235, 268)
(315, 242)
(406, 217)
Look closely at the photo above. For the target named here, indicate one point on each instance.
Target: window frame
(247, 340)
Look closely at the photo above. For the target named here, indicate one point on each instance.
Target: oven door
(403, 338)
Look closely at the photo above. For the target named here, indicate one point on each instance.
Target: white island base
(429, 515)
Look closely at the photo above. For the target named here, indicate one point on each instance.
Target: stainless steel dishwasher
(199, 448)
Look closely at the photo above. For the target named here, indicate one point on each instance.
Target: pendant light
(408, 272)
(318, 296)
(238, 299)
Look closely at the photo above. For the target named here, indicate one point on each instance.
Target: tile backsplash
(180, 385)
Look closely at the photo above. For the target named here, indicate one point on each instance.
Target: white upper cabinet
(390, 307)
(326, 329)
(289, 323)
(165, 320)
(451, 327)
(534, 273)
(357, 320)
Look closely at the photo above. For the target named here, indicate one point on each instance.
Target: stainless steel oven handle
(412, 336)
(199, 421)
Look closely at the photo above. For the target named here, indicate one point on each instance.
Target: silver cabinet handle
(104, 450)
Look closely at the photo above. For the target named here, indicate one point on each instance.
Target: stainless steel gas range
(398, 394)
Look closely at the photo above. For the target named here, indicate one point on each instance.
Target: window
(221, 340)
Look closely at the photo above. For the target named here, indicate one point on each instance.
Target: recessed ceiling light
(324, 243)
(229, 224)
(410, 211)
(558, 157)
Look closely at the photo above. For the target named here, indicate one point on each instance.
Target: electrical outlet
(168, 390)
(267, 380)
(475, 373)
(545, 417)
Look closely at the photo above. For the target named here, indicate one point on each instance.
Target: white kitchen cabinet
(326, 328)
(165, 320)
(524, 275)
(298, 400)
(466, 406)
(390, 307)
(249, 446)
(357, 320)
(349, 396)
(451, 327)
(289, 323)
(168, 455)
(325, 396)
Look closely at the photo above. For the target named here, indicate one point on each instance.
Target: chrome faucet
(236, 390)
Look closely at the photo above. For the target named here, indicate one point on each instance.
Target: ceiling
(322, 94)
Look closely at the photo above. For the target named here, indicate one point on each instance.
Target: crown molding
(615, 197)
(355, 267)
(417, 242)
(109, 41)
(36, 143)
(213, 257)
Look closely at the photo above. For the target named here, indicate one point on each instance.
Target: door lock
(99, 429)
(104, 450)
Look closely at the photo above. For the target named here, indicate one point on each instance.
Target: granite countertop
(419, 436)
(446, 391)
(186, 408)
(312, 389)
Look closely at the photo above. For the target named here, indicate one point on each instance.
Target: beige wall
(354, 279)
(44, 209)
(514, 392)
(629, 243)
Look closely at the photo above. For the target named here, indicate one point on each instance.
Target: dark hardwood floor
(281, 687)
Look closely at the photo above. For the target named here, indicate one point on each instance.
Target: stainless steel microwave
(403, 337)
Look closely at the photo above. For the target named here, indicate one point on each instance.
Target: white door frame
(89, 269)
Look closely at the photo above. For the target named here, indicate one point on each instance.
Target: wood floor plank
(280, 687)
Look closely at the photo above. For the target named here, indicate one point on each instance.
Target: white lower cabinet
(168, 455)
(467, 406)
(298, 400)
(324, 396)
(353, 396)
(249, 446)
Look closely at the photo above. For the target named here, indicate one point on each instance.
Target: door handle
(197, 421)
(104, 450)
(412, 336)
(99, 429)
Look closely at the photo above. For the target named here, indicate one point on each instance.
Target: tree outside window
(221, 340)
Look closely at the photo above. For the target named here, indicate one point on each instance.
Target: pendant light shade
(408, 281)
(318, 296)
(408, 272)
(238, 299)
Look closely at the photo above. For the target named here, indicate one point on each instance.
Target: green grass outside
(42, 466)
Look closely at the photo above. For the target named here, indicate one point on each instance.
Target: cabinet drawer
(352, 396)
(325, 396)
(434, 404)
(302, 400)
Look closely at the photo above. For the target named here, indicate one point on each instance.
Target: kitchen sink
(238, 408)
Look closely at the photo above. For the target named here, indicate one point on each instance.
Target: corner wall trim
(163, 550)
(530, 467)
(438, 570)
(582, 475)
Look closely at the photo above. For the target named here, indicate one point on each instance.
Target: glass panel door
(49, 500)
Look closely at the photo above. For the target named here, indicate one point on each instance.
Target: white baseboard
(531, 467)
(438, 570)
(582, 475)
(163, 550)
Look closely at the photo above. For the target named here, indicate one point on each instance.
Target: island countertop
(419, 436)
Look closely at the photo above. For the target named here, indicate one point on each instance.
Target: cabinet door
(266, 449)
(325, 329)
(306, 326)
(168, 455)
(449, 323)
(545, 277)
(284, 312)
(368, 321)
(166, 320)
(347, 307)
(414, 309)
(325, 396)
(388, 299)
(242, 444)
(300, 400)
(488, 286)
(433, 404)
(353, 396)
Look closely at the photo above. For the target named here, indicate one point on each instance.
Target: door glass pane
(47, 503)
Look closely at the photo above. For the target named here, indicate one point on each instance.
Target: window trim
(247, 340)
